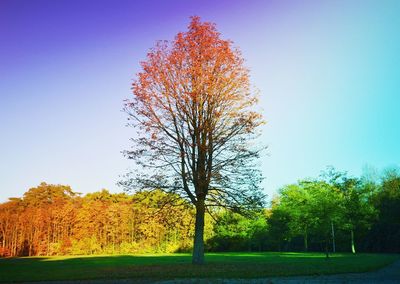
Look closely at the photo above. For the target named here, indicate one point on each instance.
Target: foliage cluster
(54, 220)
(337, 213)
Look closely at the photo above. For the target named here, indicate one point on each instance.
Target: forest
(330, 213)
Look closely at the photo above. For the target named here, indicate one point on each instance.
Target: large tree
(195, 116)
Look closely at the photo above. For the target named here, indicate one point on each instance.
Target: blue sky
(328, 72)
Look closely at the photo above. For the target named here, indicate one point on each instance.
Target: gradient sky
(328, 72)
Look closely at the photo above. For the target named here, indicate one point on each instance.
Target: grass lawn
(170, 266)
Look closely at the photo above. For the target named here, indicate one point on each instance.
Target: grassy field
(170, 266)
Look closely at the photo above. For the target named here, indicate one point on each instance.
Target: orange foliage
(194, 113)
(53, 220)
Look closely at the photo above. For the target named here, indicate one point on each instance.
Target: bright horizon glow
(328, 74)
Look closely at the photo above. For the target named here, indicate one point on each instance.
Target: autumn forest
(331, 212)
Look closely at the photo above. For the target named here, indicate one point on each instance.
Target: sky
(328, 74)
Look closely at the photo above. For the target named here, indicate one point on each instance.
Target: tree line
(54, 220)
(333, 212)
(336, 212)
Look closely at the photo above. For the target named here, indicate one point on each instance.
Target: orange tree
(195, 117)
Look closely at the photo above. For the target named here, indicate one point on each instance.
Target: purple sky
(328, 72)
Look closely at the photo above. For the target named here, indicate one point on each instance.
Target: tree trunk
(326, 246)
(353, 248)
(305, 240)
(333, 239)
(198, 245)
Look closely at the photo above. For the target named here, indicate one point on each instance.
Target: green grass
(170, 266)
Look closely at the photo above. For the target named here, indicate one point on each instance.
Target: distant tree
(45, 194)
(296, 201)
(325, 207)
(356, 212)
(238, 232)
(385, 232)
(194, 114)
(309, 207)
(9, 226)
(278, 222)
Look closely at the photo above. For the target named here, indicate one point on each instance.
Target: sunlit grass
(170, 266)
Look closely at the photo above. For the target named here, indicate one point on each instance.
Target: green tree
(385, 232)
(278, 220)
(357, 212)
(325, 207)
(296, 200)
(238, 232)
